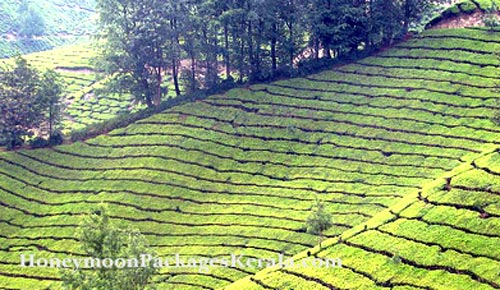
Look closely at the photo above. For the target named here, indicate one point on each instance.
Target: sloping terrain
(238, 173)
(462, 13)
(65, 23)
(82, 106)
(444, 237)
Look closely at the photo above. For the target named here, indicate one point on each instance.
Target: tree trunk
(175, 68)
(193, 72)
(50, 121)
(175, 76)
(259, 45)
(159, 79)
(292, 45)
(226, 53)
(251, 57)
(147, 96)
(273, 50)
(328, 52)
(241, 61)
(316, 48)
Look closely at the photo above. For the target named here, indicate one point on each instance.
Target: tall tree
(100, 239)
(29, 22)
(339, 25)
(413, 10)
(385, 22)
(52, 91)
(26, 98)
(136, 34)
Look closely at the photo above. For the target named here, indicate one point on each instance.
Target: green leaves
(28, 101)
(102, 240)
(319, 220)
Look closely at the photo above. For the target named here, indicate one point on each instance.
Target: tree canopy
(29, 102)
(212, 40)
(100, 239)
(29, 22)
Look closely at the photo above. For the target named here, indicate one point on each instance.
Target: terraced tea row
(238, 173)
(444, 238)
(82, 105)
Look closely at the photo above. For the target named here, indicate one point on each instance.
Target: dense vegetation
(82, 104)
(31, 26)
(29, 102)
(239, 172)
(202, 43)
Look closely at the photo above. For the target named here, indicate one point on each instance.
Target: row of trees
(29, 104)
(202, 43)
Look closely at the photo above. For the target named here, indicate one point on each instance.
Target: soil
(79, 71)
(460, 21)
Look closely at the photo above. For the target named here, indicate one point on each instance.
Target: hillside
(444, 237)
(82, 105)
(65, 23)
(239, 172)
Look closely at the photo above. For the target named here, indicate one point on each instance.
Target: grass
(238, 173)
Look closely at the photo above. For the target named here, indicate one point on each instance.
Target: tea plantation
(400, 146)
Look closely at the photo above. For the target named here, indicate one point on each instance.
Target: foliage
(491, 18)
(29, 22)
(28, 101)
(52, 91)
(237, 172)
(251, 40)
(136, 35)
(101, 239)
(319, 220)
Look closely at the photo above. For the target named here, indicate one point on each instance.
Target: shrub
(452, 11)
(39, 142)
(56, 139)
(14, 143)
(468, 7)
(491, 19)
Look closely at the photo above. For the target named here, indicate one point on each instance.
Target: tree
(136, 34)
(338, 25)
(29, 22)
(100, 239)
(413, 11)
(52, 90)
(385, 22)
(26, 98)
(319, 220)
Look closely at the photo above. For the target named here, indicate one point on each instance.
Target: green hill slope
(443, 238)
(238, 173)
(82, 106)
(66, 22)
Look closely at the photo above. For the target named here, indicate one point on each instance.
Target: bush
(468, 7)
(491, 19)
(39, 142)
(14, 143)
(452, 11)
(56, 139)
